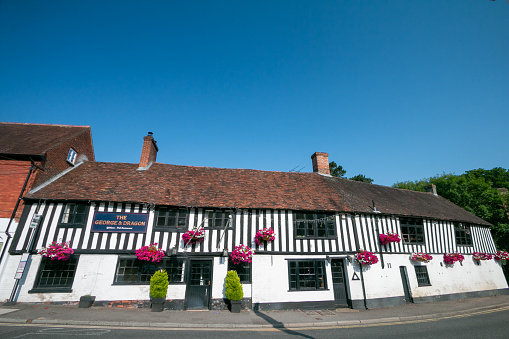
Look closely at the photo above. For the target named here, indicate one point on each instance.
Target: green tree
(477, 192)
(336, 170)
(362, 178)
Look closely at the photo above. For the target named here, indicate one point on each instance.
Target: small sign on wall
(120, 222)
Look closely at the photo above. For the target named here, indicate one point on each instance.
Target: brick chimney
(431, 189)
(149, 152)
(321, 163)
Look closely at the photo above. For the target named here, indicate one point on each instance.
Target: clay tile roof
(34, 139)
(189, 186)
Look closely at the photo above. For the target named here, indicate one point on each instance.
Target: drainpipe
(32, 167)
(378, 235)
(360, 265)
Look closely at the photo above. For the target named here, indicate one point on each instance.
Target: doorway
(198, 291)
(406, 285)
(339, 282)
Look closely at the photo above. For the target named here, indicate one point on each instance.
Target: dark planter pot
(86, 301)
(235, 306)
(157, 304)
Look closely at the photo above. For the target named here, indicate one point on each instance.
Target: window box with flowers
(481, 256)
(451, 258)
(193, 236)
(385, 239)
(57, 251)
(241, 254)
(264, 235)
(422, 257)
(366, 258)
(150, 253)
(502, 256)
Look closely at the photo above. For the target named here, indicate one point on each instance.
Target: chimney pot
(148, 152)
(321, 163)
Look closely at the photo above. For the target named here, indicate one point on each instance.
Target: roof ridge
(41, 124)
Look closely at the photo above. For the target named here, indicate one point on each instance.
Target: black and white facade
(309, 264)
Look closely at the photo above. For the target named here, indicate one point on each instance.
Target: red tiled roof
(35, 139)
(190, 186)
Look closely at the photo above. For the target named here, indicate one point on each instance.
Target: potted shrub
(158, 289)
(233, 291)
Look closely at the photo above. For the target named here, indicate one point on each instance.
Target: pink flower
(502, 255)
(482, 256)
(241, 253)
(419, 256)
(266, 234)
(389, 237)
(150, 253)
(57, 251)
(366, 258)
(451, 258)
(194, 236)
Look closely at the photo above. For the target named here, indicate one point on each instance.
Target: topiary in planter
(233, 291)
(158, 289)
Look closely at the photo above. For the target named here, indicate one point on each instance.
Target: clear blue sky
(396, 90)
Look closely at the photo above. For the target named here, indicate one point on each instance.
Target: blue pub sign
(120, 222)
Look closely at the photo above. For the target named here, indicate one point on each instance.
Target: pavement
(41, 313)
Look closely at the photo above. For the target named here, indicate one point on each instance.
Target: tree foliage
(338, 171)
(478, 192)
(481, 192)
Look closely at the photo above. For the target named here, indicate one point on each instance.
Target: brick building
(31, 154)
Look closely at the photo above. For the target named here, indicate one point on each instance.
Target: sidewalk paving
(40, 313)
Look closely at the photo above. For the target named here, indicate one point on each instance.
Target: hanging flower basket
(481, 256)
(389, 237)
(422, 257)
(241, 254)
(194, 236)
(57, 251)
(366, 258)
(451, 258)
(503, 256)
(264, 235)
(150, 253)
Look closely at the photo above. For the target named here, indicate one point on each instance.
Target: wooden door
(199, 284)
(339, 282)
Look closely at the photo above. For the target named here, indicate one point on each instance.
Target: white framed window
(71, 156)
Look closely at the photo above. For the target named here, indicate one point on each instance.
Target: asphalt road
(485, 324)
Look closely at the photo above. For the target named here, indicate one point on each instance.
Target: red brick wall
(149, 151)
(12, 177)
(321, 162)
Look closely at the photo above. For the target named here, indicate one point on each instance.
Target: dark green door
(339, 282)
(199, 285)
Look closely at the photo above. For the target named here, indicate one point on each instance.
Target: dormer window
(71, 156)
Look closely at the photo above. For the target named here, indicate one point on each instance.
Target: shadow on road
(280, 326)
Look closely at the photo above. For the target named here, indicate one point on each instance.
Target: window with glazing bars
(307, 275)
(74, 215)
(422, 276)
(217, 219)
(172, 218)
(462, 233)
(315, 225)
(56, 273)
(412, 230)
(134, 271)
